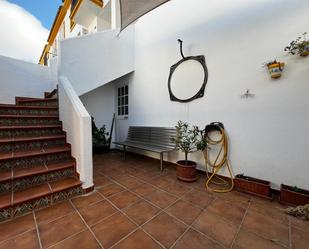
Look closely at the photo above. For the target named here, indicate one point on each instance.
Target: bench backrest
(156, 136)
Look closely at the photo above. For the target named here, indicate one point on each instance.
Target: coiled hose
(216, 166)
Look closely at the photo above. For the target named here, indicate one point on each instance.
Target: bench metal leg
(124, 152)
(161, 161)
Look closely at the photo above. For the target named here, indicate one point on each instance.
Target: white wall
(100, 103)
(77, 124)
(268, 134)
(96, 59)
(20, 78)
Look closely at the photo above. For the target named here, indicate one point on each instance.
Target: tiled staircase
(36, 166)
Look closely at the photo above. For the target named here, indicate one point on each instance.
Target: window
(123, 101)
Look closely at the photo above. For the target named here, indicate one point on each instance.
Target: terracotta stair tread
(13, 106)
(29, 127)
(29, 139)
(5, 200)
(5, 175)
(29, 116)
(31, 193)
(65, 184)
(20, 154)
(36, 99)
(60, 165)
(20, 173)
(36, 192)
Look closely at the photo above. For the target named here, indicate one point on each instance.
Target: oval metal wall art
(200, 93)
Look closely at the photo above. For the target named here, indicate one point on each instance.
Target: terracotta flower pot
(293, 196)
(275, 70)
(253, 186)
(186, 171)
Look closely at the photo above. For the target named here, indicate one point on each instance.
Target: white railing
(77, 124)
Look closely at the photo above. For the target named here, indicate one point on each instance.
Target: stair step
(30, 131)
(28, 120)
(37, 102)
(8, 145)
(29, 159)
(19, 202)
(19, 179)
(22, 154)
(28, 110)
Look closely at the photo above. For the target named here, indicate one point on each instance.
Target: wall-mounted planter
(293, 196)
(275, 69)
(253, 186)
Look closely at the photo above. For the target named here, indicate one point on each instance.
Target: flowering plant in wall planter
(275, 68)
(299, 46)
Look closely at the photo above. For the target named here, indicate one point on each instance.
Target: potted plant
(299, 46)
(100, 139)
(275, 68)
(293, 195)
(253, 186)
(186, 140)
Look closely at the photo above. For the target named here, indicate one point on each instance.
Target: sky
(24, 27)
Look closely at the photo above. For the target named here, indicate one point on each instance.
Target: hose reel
(221, 159)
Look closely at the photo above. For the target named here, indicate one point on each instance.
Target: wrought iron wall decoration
(200, 93)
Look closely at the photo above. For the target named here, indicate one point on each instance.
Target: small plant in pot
(299, 46)
(186, 140)
(275, 68)
(100, 139)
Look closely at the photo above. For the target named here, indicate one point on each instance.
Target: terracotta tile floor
(136, 206)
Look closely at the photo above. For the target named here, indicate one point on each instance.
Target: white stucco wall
(100, 103)
(20, 78)
(268, 134)
(96, 59)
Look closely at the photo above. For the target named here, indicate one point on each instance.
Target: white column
(115, 14)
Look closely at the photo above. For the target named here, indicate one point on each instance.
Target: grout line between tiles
(15, 236)
(37, 230)
(162, 210)
(290, 234)
(138, 226)
(191, 227)
(240, 225)
(89, 228)
(71, 236)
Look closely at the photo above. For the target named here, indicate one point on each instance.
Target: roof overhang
(131, 10)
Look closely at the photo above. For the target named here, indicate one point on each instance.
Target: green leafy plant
(298, 46)
(99, 136)
(188, 139)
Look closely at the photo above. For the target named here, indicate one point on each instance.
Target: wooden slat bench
(154, 139)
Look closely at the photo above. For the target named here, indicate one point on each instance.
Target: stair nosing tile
(41, 172)
(32, 197)
(12, 106)
(78, 183)
(30, 116)
(33, 153)
(29, 127)
(29, 139)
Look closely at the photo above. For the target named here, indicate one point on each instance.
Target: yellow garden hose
(217, 165)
